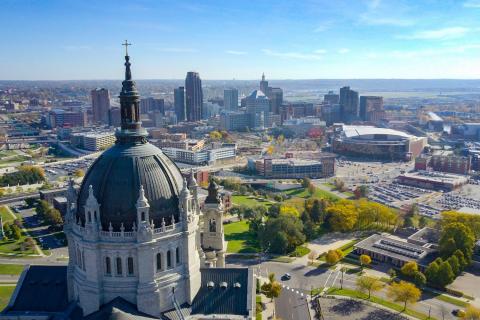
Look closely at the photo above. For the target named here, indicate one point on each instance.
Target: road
(306, 278)
(290, 305)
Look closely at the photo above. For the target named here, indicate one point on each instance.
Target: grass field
(11, 269)
(319, 193)
(6, 215)
(250, 201)
(240, 240)
(5, 294)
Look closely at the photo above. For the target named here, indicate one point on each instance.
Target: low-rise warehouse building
(386, 249)
(433, 180)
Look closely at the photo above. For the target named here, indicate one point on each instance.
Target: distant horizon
(252, 80)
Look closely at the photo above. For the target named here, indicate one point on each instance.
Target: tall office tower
(193, 96)
(100, 105)
(371, 108)
(152, 104)
(179, 103)
(230, 99)
(258, 106)
(331, 98)
(264, 84)
(349, 103)
(276, 99)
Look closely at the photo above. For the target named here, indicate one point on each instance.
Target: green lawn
(5, 294)
(240, 240)
(391, 305)
(451, 300)
(11, 269)
(259, 308)
(250, 201)
(6, 215)
(300, 251)
(319, 193)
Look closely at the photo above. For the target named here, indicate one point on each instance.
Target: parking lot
(56, 171)
(395, 194)
(365, 172)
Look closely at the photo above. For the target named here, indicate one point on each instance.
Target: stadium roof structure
(353, 132)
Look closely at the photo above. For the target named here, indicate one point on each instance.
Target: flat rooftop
(396, 249)
(436, 176)
(357, 131)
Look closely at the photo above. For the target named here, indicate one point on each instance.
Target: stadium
(379, 143)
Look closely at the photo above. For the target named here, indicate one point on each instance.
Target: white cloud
(343, 50)
(178, 50)
(293, 55)
(424, 53)
(438, 34)
(472, 4)
(237, 53)
(320, 51)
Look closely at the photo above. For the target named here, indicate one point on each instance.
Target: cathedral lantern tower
(213, 238)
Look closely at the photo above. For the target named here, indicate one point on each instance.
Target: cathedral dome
(116, 177)
(118, 174)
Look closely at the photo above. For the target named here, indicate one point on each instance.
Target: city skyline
(286, 40)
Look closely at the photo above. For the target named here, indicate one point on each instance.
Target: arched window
(108, 266)
(83, 260)
(177, 255)
(159, 261)
(130, 266)
(169, 259)
(95, 215)
(119, 266)
(143, 216)
(213, 225)
(79, 257)
(89, 216)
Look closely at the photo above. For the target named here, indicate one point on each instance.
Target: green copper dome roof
(116, 177)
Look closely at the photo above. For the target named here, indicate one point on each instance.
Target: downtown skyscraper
(100, 105)
(230, 99)
(193, 96)
(179, 103)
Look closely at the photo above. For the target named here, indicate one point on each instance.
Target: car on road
(458, 313)
(286, 276)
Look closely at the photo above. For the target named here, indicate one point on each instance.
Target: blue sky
(302, 39)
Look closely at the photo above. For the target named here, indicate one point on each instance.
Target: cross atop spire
(126, 44)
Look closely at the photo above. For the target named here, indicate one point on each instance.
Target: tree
(53, 217)
(457, 236)
(392, 274)
(365, 260)
(361, 192)
(282, 234)
(79, 173)
(445, 275)
(333, 256)
(312, 256)
(419, 279)
(409, 268)
(271, 289)
(16, 232)
(453, 261)
(431, 272)
(472, 313)
(311, 189)
(404, 292)
(461, 258)
(316, 211)
(368, 284)
(422, 222)
(306, 182)
(215, 135)
(342, 216)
